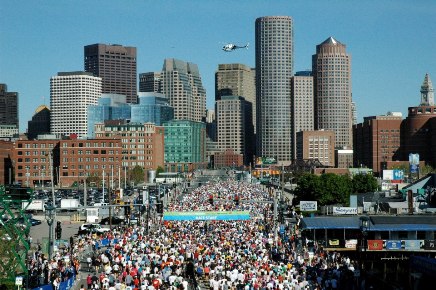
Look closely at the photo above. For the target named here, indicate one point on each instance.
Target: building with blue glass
(109, 107)
(152, 108)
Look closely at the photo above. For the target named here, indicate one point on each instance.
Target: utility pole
(103, 185)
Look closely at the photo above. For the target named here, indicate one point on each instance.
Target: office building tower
(108, 107)
(316, 145)
(235, 126)
(274, 69)
(40, 123)
(377, 142)
(427, 92)
(150, 82)
(185, 146)
(211, 125)
(331, 67)
(70, 95)
(8, 108)
(302, 105)
(353, 113)
(181, 83)
(236, 80)
(116, 65)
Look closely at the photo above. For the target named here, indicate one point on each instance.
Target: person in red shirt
(156, 283)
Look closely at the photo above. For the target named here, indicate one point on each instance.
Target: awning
(314, 223)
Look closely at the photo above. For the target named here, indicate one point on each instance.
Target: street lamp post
(365, 225)
(49, 217)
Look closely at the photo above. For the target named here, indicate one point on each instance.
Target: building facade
(80, 159)
(235, 127)
(377, 141)
(150, 82)
(40, 123)
(36, 161)
(181, 84)
(185, 145)
(228, 159)
(116, 65)
(274, 69)
(152, 108)
(6, 168)
(331, 66)
(316, 145)
(70, 95)
(236, 80)
(302, 105)
(109, 107)
(9, 116)
(142, 144)
(417, 135)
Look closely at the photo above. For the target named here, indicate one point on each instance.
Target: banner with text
(344, 210)
(206, 216)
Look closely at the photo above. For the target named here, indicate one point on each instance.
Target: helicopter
(230, 47)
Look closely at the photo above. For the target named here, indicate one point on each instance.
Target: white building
(70, 95)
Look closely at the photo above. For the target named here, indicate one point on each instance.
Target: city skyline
(388, 40)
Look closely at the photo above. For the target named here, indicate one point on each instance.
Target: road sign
(19, 281)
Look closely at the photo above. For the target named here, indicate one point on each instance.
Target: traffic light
(236, 199)
(58, 230)
(159, 207)
(211, 199)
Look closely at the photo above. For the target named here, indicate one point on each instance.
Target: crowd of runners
(239, 254)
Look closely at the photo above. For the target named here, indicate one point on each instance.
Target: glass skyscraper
(274, 69)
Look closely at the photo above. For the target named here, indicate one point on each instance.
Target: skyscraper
(8, 108)
(274, 69)
(236, 80)
(116, 65)
(235, 127)
(181, 83)
(40, 123)
(302, 105)
(70, 95)
(331, 67)
(150, 82)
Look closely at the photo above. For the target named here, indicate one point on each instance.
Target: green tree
(137, 174)
(364, 183)
(308, 187)
(426, 169)
(335, 189)
(159, 170)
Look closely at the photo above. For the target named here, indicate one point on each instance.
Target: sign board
(19, 281)
(388, 174)
(375, 245)
(308, 205)
(412, 244)
(398, 174)
(351, 244)
(266, 160)
(393, 245)
(344, 210)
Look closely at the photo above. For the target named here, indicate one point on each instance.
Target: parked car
(115, 221)
(92, 228)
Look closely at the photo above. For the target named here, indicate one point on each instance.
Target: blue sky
(392, 43)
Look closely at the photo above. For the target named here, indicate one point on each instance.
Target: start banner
(206, 216)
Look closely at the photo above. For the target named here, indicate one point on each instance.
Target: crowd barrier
(66, 285)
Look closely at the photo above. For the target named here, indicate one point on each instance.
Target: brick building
(6, 162)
